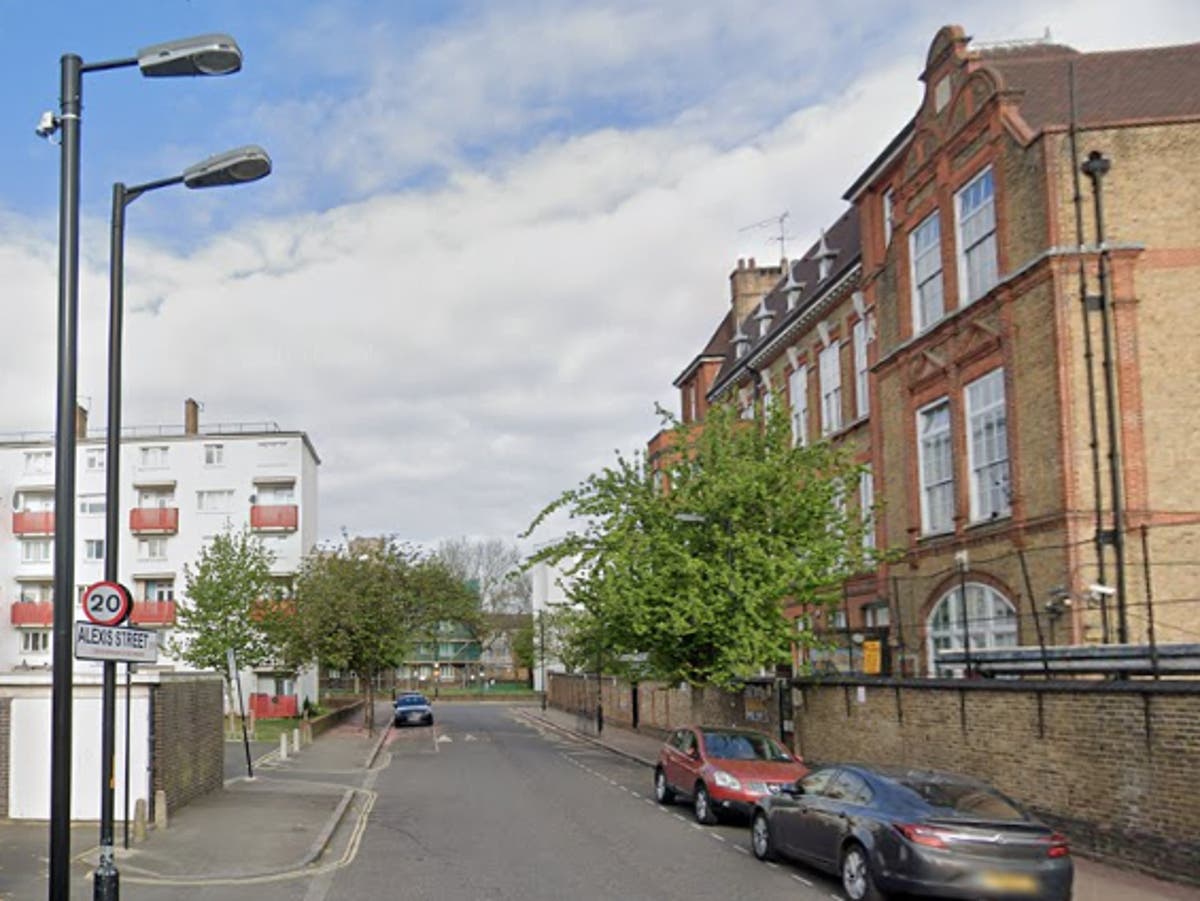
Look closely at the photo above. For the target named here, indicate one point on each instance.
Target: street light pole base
(106, 883)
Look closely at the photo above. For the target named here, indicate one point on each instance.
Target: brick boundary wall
(341, 710)
(5, 735)
(189, 737)
(1111, 764)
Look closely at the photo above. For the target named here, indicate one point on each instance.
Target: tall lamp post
(212, 54)
(239, 166)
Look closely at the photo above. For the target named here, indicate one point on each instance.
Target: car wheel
(702, 806)
(760, 837)
(663, 793)
(857, 881)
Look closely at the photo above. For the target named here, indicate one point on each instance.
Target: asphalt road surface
(484, 806)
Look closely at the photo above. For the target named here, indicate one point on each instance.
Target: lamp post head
(205, 54)
(1097, 165)
(233, 167)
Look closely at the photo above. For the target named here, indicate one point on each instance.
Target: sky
(494, 234)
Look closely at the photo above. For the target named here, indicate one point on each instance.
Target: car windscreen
(743, 746)
(965, 800)
(411, 702)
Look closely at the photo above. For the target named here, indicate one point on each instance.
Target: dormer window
(764, 317)
(825, 258)
(793, 299)
(741, 343)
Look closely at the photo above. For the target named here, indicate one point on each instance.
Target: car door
(789, 813)
(689, 762)
(828, 821)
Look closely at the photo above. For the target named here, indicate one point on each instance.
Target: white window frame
(862, 388)
(987, 446)
(276, 494)
(159, 590)
(866, 505)
(214, 455)
(992, 622)
(39, 462)
(35, 641)
(153, 548)
(798, 396)
(932, 251)
(37, 550)
(889, 212)
(153, 456)
(211, 501)
(975, 238)
(92, 505)
(829, 363)
(94, 459)
(928, 525)
(93, 550)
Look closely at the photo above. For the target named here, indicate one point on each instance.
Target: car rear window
(411, 702)
(964, 799)
(743, 746)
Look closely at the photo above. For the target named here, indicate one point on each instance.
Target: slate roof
(844, 238)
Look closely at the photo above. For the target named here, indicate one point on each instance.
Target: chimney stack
(191, 417)
(81, 415)
(748, 285)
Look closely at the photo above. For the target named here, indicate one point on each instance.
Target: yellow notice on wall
(872, 657)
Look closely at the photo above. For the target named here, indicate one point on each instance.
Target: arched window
(992, 620)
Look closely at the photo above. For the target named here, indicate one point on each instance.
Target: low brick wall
(1112, 764)
(189, 739)
(341, 710)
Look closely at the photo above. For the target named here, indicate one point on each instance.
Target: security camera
(1103, 591)
(47, 125)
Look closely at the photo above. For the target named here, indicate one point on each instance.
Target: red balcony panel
(33, 613)
(271, 706)
(153, 613)
(279, 517)
(154, 519)
(31, 523)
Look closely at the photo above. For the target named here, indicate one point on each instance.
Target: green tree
(524, 648)
(222, 607)
(359, 607)
(687, 581)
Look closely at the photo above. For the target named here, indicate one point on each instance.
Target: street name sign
(118, 643)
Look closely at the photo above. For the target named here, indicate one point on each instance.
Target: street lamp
(204, 55)
(245, 164)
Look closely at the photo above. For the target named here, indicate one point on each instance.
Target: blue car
(413, 710)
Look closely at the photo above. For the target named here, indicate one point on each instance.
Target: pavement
(306, 814)
(1095, 880)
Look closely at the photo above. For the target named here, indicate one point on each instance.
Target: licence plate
(1010, 882)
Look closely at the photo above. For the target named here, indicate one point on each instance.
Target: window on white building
(830, 364)
(35, 502)
(987, 447)
(153, 457)
(93, 459)
(936, 464)
(93, 549)
(977, 264)
(866, 504)
(152, 549)
(925, 248)
(36, 592)
(156, 498)
(214, 455)
(991, 622)
(215, 501)
(38, 462)
(35, 642)
(160, 590)
(862, 397)
(798, 393)
(37, 550)
(91, 505)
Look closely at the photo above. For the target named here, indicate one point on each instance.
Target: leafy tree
(493, 566)
(221, 610)
(524, 647)
(360, 606)
(687, 580)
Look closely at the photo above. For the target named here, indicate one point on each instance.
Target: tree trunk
(370, 712)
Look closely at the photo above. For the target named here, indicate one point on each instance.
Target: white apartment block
(179, 487)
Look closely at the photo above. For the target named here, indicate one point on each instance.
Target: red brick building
(938, 330)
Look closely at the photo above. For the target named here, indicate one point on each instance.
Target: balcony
(33, 523)
(274, 517)
(33, 613)
(153, 613)
(154, 520)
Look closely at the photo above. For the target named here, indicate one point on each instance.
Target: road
(485, 806)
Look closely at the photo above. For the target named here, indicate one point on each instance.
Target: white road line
(741, 849)
(697, 826)
(679, 817)
(717, 836)
(648, 801)
(773, 866)
(802, 880)
(632, 792)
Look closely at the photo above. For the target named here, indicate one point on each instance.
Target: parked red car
(723, 770)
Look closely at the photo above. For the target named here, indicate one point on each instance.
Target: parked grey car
(413, 710)
(923, 833)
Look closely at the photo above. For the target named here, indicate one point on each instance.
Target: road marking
(697, 826)
(679, 817)
(802, 880)
(717, 836)
(441, 738)
(648, 801)
(740, 849)
(632, 792)
(773, 866)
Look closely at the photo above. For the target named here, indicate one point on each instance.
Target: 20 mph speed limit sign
(107, 603)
